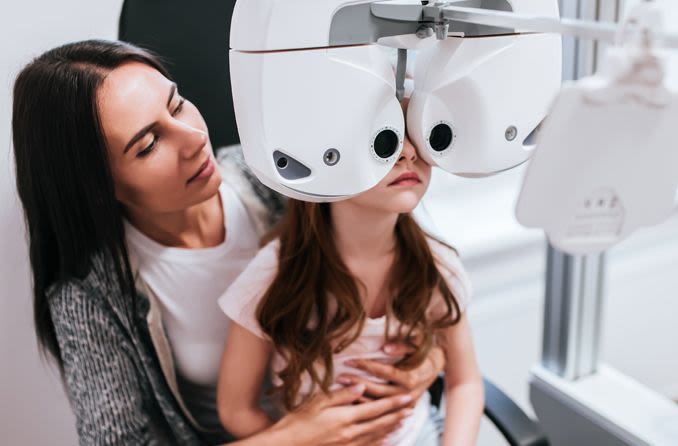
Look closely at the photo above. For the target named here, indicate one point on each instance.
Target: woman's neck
(362, 232)
(199, 226)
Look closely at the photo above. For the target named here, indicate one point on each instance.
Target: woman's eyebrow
(173, 90)
(140, 134)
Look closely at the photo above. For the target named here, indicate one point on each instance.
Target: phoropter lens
(441, 137)
(386, 143)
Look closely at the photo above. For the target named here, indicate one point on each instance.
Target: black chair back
(192, 38)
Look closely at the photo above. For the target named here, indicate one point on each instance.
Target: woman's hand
(329, 420)
(413, 382)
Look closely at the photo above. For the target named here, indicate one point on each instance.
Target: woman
(133, 236)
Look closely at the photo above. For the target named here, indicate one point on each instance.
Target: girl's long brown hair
(306, 328)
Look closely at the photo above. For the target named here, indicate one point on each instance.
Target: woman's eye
(178, 107)
(149, 148)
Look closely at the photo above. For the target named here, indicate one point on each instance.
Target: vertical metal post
(572, 313)
(574, 284)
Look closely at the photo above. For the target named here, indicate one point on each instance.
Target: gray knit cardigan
(118, 369)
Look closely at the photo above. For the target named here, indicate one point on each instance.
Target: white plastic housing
(606, 162)
(269, 25)
(482, 87)
(302, 103)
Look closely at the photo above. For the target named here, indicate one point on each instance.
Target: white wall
(33, 409)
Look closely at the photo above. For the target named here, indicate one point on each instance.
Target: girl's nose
(409, 151)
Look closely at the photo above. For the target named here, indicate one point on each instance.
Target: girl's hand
(413, 382)
(330, 420)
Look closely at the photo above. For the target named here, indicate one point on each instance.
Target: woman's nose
(190, 140)
(409, 151)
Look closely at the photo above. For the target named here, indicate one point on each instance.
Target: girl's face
(158, 147)
(404, 186)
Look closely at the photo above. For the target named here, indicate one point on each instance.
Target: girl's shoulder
(263, 265)
(241, 299)
(446, 256)
(266, 257)
(439, 246)
(452, 271)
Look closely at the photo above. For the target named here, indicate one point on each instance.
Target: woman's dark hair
(62, 170)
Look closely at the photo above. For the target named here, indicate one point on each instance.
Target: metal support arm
(499, 18)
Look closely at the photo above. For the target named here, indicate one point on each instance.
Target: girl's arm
(464, 394)
(243, 366)
(325, 420)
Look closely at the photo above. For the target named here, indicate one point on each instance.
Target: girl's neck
(199, 226)
(362, 232)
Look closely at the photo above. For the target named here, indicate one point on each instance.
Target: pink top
(242, 297)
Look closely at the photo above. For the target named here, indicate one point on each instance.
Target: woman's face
(401, 190)
(159, 150)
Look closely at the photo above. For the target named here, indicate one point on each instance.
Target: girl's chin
(397, 202)
(404, 204)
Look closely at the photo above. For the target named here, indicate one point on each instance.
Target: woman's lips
(406, 179)
(205, 171)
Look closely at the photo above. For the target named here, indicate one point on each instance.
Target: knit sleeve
(99, 373)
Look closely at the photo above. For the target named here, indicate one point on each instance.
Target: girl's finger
(340, 397)
(372, 389)
(383, 371)
(368, 440)
(397, 349)
(378, 408)
(380, 426)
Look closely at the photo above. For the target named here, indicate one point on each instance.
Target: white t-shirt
(242, 298)
(188, 283)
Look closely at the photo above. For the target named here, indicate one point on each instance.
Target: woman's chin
(207, 191)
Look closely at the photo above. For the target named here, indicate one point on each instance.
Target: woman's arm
(325, 420)
(464, 395)
(243, 367)
(101, 377)
(332, 420)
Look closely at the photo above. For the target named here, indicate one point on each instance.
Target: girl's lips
(406, 179)
(205, 171)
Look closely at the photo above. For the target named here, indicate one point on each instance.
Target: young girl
(337, 282)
